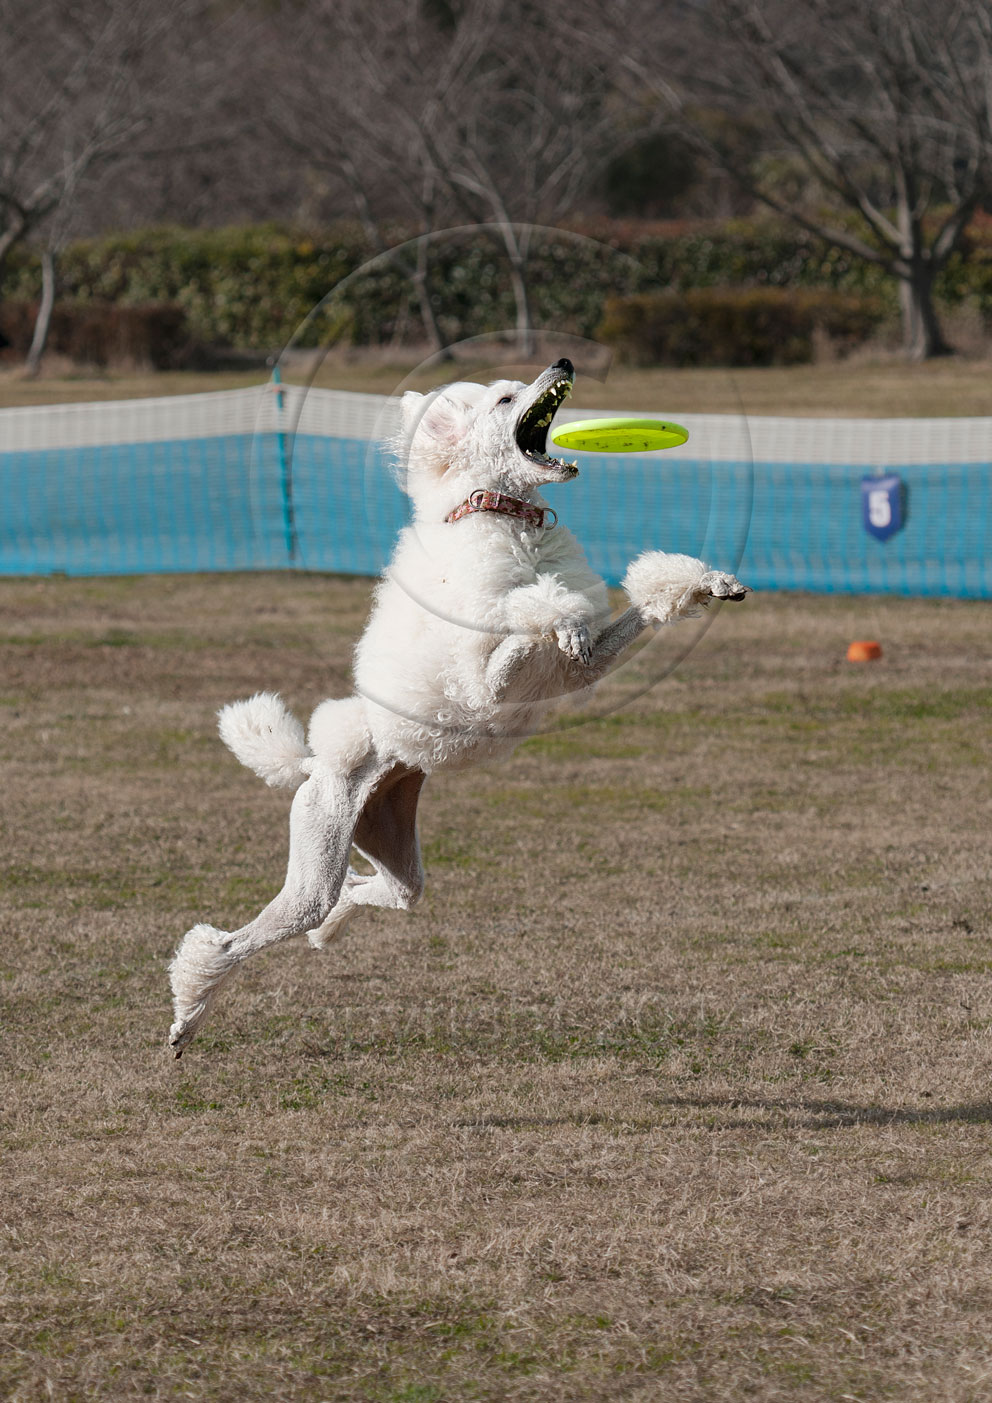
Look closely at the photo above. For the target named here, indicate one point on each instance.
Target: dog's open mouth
(533, 425)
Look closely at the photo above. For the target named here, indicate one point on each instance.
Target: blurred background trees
(88, 90)
(871, 124)
(866, 126)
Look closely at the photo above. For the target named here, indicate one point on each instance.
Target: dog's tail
(266, 737)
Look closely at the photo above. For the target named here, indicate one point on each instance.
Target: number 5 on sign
(883, 505)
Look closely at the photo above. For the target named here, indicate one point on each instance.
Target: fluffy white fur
(478, 627)
(666, 587)
(265, 737)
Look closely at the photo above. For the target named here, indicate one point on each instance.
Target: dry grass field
(676, 1086)
(863, 387)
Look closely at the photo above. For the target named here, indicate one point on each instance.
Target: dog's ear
(443, 418)
(411, 408)
(432, 428)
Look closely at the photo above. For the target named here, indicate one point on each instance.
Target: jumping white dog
(488, 613)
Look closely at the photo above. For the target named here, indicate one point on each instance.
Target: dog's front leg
(666, 588)
(615, 637)
(505, 662)
(663, 589)
(546, 609)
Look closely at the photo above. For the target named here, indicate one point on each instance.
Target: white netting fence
(279, 477)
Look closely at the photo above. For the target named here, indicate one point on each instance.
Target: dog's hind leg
(322, 820)
(385, 834)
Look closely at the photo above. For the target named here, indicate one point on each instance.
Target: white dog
(488, 613)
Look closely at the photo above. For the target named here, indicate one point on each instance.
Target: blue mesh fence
(236, 502)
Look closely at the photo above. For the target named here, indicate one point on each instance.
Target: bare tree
(886, 104)
(523, 129)
(478, 111)
(46, 306)
(346, 74)
(85, 88)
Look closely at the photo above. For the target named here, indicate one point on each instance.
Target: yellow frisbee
(620, 435)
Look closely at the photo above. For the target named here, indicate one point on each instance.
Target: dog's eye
(507, 399)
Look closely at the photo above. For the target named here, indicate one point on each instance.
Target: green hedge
(153, 336)
(735, 326)
(252, 287)
(245, 287)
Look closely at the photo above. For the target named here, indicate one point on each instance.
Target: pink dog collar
(483, 500)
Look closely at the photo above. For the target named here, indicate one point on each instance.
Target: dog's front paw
(574, 639)
(717, 584)
(669, 587)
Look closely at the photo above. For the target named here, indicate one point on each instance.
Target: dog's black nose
(564, 364)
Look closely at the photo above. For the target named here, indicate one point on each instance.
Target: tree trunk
(518, 281)
(418, 273)
(427, 315)
(14, 232)
(516, 253)
(44, 318)
(922, 337)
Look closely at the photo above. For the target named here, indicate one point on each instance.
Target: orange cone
(863, 650)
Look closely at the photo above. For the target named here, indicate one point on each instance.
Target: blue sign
(883, 505)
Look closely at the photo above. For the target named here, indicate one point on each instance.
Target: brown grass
(675, 1087)
(880, 387)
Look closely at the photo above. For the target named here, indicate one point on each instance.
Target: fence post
(285, 468)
